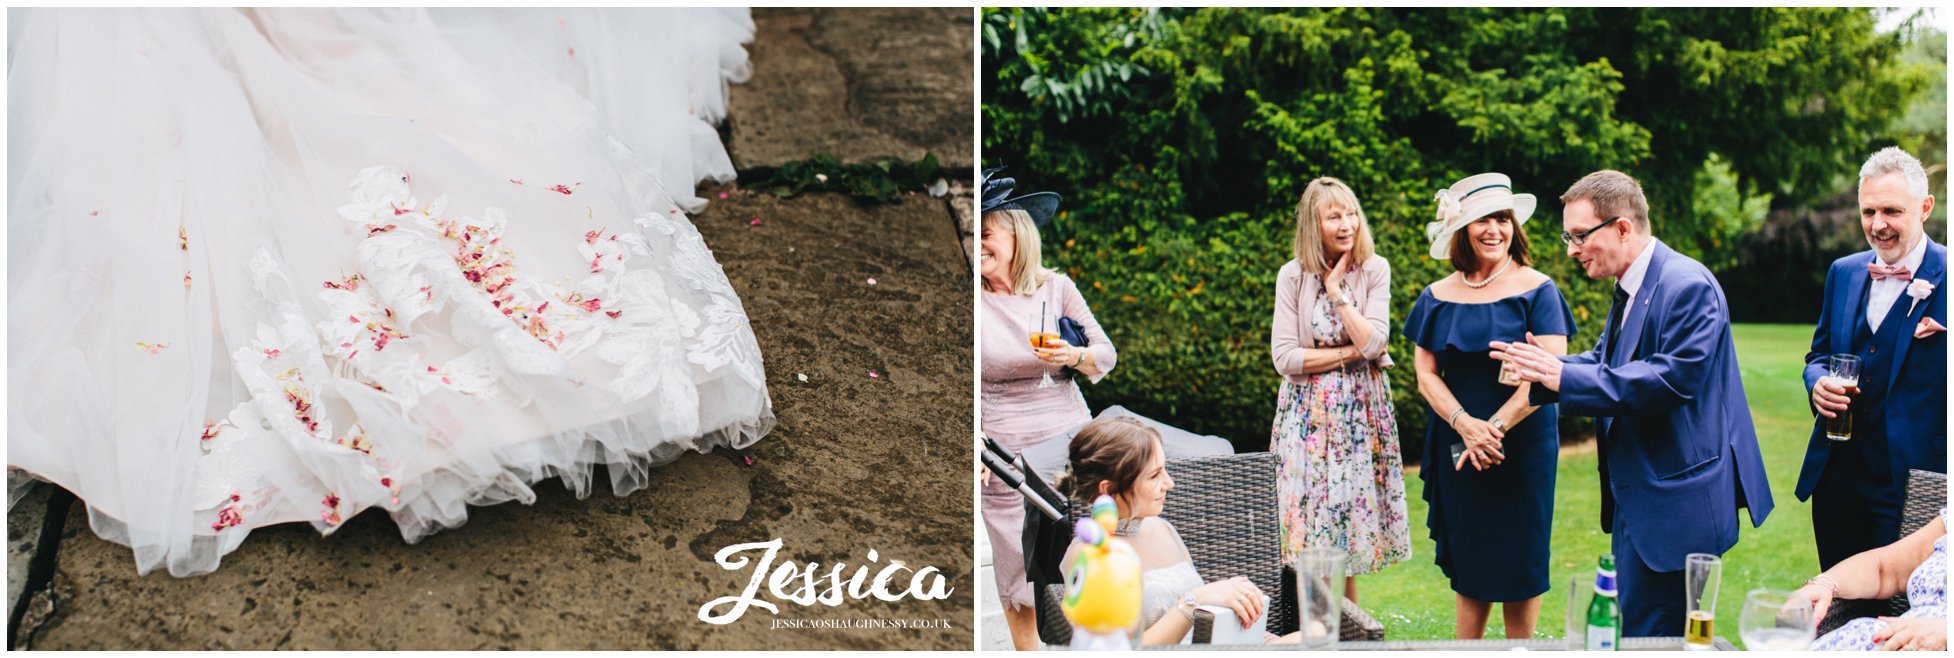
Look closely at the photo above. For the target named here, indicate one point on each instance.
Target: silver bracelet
(1826, 582)
(1455, 416)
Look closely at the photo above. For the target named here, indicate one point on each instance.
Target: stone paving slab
(856, 463)
(859, 84)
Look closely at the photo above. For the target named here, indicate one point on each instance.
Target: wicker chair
(1225, 509)
(1926, 495)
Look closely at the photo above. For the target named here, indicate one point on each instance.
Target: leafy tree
(1181, 178)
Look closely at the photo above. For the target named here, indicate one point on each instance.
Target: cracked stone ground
(856, 463)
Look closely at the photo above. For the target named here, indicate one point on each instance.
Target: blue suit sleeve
(1675, 371)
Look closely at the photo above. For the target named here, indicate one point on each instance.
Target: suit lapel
(1637, 313)
(1933, 269)
(1846, 321)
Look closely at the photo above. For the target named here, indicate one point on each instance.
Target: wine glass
(1041, 339)
(1775, 621)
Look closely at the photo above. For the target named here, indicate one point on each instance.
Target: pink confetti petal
(748, 460)
(755, 222)
(872, 375)
(723, 195)
(871, 281)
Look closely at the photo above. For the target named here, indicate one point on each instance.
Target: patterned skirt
(1342, 481)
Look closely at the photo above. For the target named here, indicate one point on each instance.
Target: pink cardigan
(1368, 287)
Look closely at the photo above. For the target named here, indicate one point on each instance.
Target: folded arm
(1286, 342)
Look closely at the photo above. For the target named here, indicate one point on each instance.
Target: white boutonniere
(1919, 290)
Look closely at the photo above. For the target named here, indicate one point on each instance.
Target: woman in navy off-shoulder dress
(1491, 498)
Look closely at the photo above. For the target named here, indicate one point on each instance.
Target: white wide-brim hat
(1468, 200)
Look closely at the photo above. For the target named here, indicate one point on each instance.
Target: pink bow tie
(1881, 271)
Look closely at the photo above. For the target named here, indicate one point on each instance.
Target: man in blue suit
(1885, 306)
(1677, 453)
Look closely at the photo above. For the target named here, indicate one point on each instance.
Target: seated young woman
(1122, 458)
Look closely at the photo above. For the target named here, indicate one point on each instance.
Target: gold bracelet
(1826, 582)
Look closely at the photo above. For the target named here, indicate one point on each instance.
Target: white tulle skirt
(287, 265)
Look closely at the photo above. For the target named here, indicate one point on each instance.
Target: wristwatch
(1344, 301)
(1499, 424)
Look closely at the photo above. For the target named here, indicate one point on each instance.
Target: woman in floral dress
(1342, 481)
(1915, 565)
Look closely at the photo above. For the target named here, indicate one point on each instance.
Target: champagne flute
(1041, 339)
(1775, 621)
(1703, 575)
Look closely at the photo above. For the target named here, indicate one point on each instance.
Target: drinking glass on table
(1775, 621)
(1580, 595)
(1319, 588)
(1702, 576)
(1844, 369)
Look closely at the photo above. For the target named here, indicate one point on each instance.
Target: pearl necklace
(1489, 280)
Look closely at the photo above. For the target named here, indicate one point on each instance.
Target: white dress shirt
(1884, 292)
(1631, 280)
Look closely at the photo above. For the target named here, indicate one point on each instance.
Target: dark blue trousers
(1853, 509)
(1652, 601)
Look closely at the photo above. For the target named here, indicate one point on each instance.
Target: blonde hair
(1027, 266)
(1308, 248)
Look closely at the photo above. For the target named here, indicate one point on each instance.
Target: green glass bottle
(1604, 614)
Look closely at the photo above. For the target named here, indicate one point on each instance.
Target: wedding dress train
(288, 265)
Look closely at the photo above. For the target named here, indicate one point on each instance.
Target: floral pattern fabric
(1341, 483)
(1926, 597)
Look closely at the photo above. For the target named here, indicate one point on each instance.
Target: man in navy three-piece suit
(1678, 455)
(1886, 307)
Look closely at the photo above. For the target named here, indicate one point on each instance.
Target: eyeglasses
(1581, 238)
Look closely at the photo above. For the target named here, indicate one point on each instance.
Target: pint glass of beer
(1844, 370)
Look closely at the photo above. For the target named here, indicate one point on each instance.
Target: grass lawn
(1413, 601)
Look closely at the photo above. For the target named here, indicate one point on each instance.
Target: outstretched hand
(1529, 362)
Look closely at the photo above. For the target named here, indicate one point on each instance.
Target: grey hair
(1892, 160)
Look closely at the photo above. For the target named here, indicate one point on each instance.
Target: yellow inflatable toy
(1102, 585)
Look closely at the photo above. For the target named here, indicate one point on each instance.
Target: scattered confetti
(821, 177)
(152, 349)
(559, 188)
(755, 222)
(517, 181)
(573, 52)
(871, 281)
(790, 250)
(747, 459)
(939, 188)
(801, 376)
(94, 213)
(723, 195)
(872, 375)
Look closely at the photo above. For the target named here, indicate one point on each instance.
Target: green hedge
(1181, 140)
